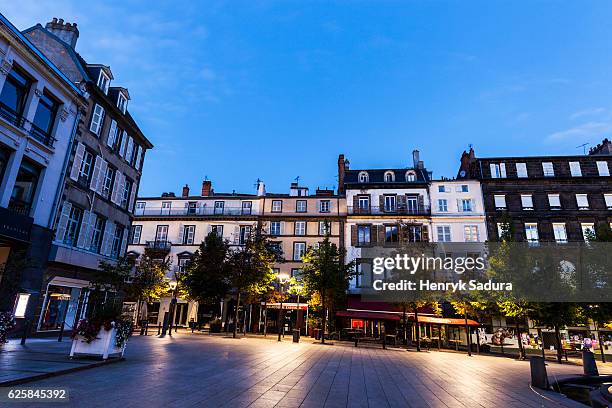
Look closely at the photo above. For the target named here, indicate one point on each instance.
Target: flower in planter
(124, 329)
(7, 322)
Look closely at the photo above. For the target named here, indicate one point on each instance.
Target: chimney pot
(415, 158)
(68, 33)
(206, 188)
(185, 191)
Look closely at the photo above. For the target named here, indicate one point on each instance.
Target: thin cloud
(584, 132)
(587, 112)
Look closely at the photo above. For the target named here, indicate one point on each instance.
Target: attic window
(121, 102)
(363, 177)
(411, 176)
(103, 82)
(389, 176)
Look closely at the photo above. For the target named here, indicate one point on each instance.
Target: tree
(250, 269)
(206, 275)
(325, 275)
(10, 277)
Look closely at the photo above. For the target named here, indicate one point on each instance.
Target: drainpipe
(60, 189)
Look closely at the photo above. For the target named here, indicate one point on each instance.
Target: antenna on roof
(470, 146)
(584, 145)
(297, 179)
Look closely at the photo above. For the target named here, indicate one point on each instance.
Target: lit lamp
(282, 279)
(168, 317)
(172, 284)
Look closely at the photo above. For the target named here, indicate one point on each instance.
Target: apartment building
(39, 111)
(100, 182)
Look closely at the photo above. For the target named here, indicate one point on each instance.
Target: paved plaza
(211, 371)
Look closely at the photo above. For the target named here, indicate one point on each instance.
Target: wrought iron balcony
(17, 119)
(203, 211)
(158, 246)
(392, 210)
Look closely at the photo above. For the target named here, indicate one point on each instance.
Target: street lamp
(172, 284)
(282, 279)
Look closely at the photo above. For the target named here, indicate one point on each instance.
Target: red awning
(361, 314)
(444, 320)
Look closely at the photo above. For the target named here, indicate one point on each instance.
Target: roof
(378, 176)
(39, 54)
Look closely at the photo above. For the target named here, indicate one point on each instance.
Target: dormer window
(389, 177)
(411, 176)
(103, 81)
(363, 177)
(122, 102)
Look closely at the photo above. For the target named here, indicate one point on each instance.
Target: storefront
(65, 301)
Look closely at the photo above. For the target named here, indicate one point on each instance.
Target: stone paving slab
(210, 371)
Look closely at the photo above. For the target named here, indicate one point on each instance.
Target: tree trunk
(265, 318)
(405, 339)
(323, 319)
(520, 342)
(541, 337)
(236, 315)
(417, 331)
(601, 346)
(558, 339)
(468, 340)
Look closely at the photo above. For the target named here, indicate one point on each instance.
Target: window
(410, 176)
(363, 177)
(521, 170)
(86, 167)
(121, 102)
(548, 169)
(299, 249)
(498, 170)
(192, 207)
(582, 201)
(182, 264)
(140, 208)
(277, 205)
(136, 233)
(300, 228)
(24, 189)
(389, 177)
(245, 233)
(554, 201)
(103, 81)
(188, 234)
(363, 234)
(415, 233)
(14, 95)
(113, 132)
(296, 273)
(73, 226)
(324, 206)
(324, 228)
(117, 239)
(358, 273)
(441, 189)
(464, 188)
(161, 233)
(247, 207)
(602, 168)
(166, 207)
(501, 230)
(531, 232)
(444, 233)
(217, 229)
(465, 205)
(588, 231)
(575, 169)
(364, 203)
(471, 233)
(46, 112)
(219, 207)
(97, 233)
(608, 199)
(125, 194)
(391, 233)
(560, 233)
(500, 201)
(96, 119)
(527, 201)
(442, 204)
(389, 201)
(275, 228)
(301, 206)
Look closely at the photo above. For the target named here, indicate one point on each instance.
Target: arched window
(410, 176)
(363, 177)
(389, 176)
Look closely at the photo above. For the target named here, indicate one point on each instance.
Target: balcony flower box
(103, 344)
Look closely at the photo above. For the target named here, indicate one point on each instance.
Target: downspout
(60, 189)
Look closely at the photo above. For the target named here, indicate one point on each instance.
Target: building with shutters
(101, 180)
(39, 110)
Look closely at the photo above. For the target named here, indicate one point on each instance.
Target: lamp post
(172, 284)
(282, 279)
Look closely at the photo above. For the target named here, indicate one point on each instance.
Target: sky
(240, 90)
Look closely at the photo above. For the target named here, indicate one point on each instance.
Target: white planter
(103, 346)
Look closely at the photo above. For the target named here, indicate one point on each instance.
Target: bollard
(26, 331)
(147, 328)
(61, 333)
(539, 378)
(384, 342)
(356, 341)
(158, 329)
(589, 365)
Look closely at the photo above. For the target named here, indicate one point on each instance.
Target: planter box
(104, 346)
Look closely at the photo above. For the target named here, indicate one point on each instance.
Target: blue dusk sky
(237, 91)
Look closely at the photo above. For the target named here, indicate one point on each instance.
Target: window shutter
(181, 234)
(381, 203)
(76, 163)
(83, 231)
(138, 157)
(116, 182)
(63, 221)
(124, 138)
(112, 133)
(492, 167)
(236, 234)
(401, 202)
(124, 241)
(107, 239)
(354, 235)
(502, 169)
(95, 177)
(425, 234)
(102, 176)
(132, 197)
(421, 202)
(129, 149)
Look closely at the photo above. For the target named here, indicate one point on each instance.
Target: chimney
(261, 188)
(603, 148)
(68, 33)
(185, 191)
(415, 158)
(206, 188)
(342, 167)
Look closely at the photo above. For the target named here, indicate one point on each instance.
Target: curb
(42, 376)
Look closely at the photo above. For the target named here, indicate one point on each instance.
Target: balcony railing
(19, 207)
(204, 211)
(396, 210)
(19, 121)
(158, 245)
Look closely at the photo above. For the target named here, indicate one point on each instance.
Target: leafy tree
(556, 316)
(10, 277)
(325, 276)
